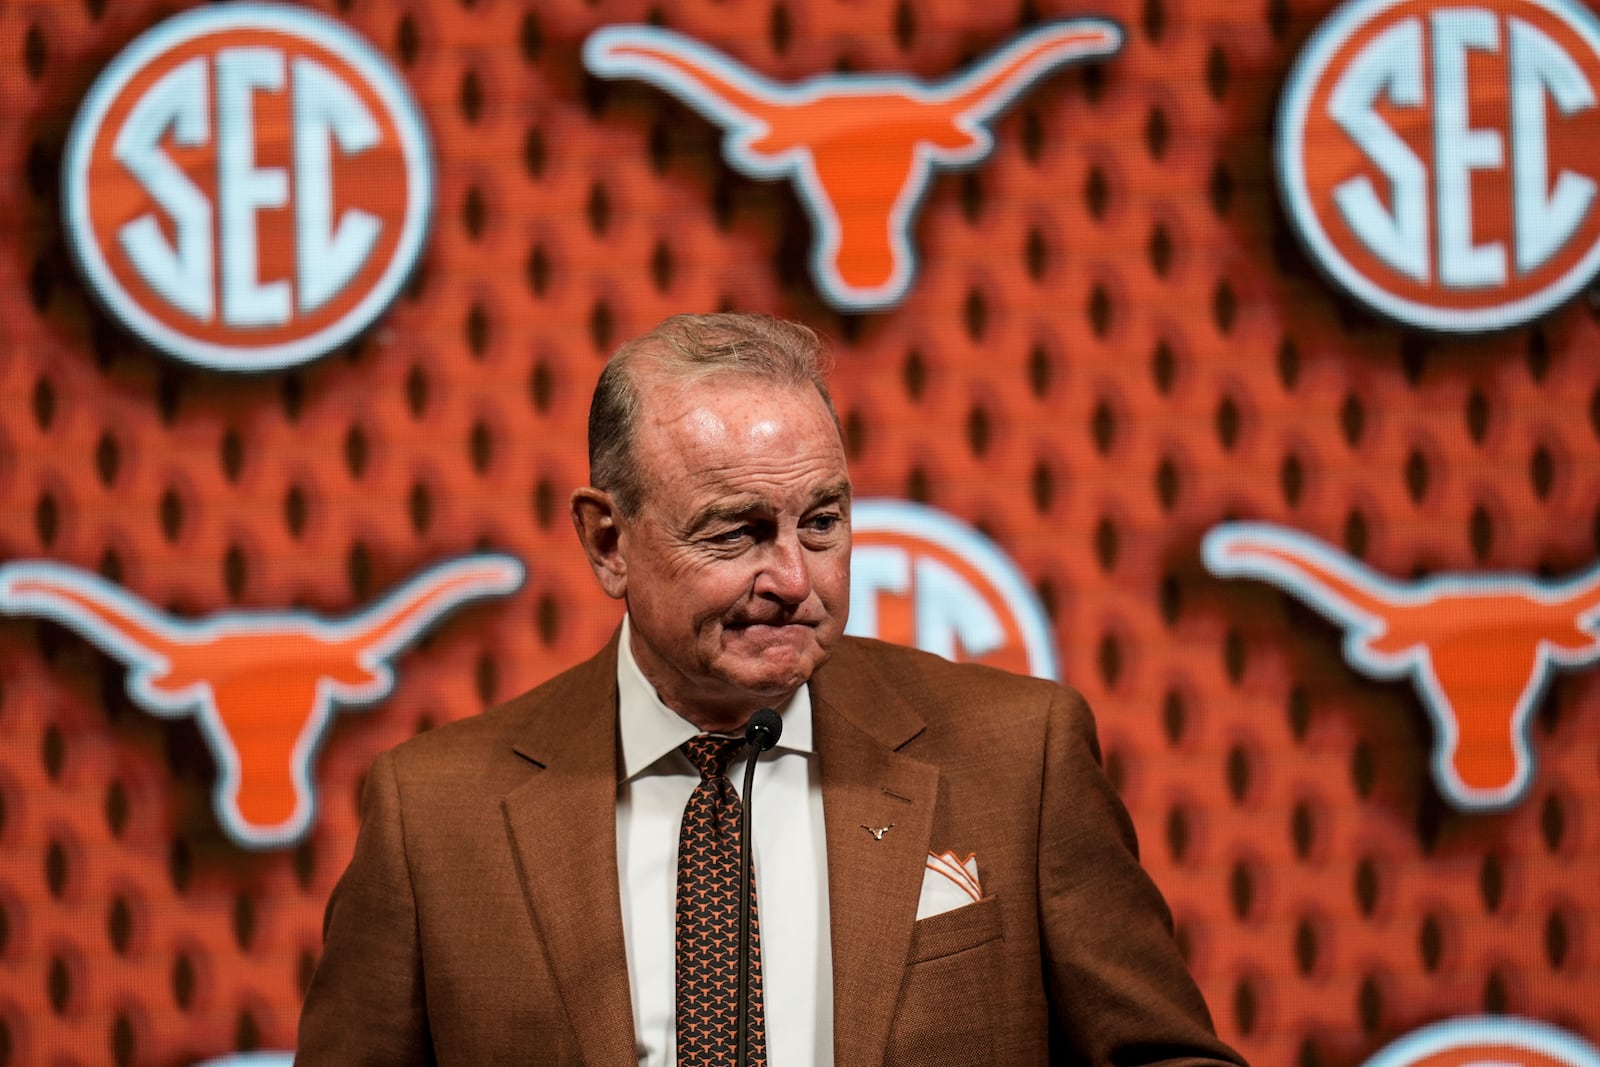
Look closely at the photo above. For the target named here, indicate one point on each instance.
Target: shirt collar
(649, 729)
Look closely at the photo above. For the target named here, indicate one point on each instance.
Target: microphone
(762, 732)
(764, 729)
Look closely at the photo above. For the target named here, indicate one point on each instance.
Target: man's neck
(707, 717)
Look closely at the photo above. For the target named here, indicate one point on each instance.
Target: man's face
(736, 567)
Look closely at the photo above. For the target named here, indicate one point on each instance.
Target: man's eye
(731, 537)
(824, 523)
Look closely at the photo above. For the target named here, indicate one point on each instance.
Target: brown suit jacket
(480, 919)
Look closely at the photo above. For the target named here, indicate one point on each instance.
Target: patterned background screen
(1235, 363)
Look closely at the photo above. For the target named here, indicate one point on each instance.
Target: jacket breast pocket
(946, 1010)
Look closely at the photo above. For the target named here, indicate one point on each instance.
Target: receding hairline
(701, 346)
(685, 351)
(667, 397)
(646, 369)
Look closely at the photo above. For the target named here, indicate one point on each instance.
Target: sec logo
(1437, 158)
(921, 578)
(1488, 1041)
(246, 187)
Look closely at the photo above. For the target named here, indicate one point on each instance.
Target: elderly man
(942, 873)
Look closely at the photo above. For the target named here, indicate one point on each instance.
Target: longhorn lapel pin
(877, 832)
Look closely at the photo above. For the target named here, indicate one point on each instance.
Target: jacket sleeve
(1118, 988)
(366, 1004)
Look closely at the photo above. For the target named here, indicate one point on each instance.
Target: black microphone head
(764, 729)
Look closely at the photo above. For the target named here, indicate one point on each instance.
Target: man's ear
(595, 517)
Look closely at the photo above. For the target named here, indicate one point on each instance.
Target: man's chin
(778, 668)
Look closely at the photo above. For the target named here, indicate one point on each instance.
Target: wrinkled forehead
(729, 421)
(664, 394)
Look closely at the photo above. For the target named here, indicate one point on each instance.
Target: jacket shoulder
(925, 674)
(480, 742)
(965, 704)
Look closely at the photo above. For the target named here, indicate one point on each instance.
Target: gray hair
(686, 349)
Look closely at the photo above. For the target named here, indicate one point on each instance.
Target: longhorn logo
(859, 148)
(261, 684)
(1479, 648)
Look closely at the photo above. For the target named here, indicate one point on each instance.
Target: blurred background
(300, 311)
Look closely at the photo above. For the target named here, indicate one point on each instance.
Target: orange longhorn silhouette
(261, 684)
(858, 147)
(1479, 647)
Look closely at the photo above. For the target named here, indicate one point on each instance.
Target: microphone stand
(762, 733)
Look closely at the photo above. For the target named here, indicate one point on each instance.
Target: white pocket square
(948, 883)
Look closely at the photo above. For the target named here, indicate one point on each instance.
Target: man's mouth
(769, 624)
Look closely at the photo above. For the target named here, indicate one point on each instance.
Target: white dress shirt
(790, 862)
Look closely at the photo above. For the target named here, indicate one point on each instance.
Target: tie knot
(711, 755)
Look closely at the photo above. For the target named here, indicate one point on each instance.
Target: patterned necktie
(708, 918)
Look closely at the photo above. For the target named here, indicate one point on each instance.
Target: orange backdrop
(1114, 343)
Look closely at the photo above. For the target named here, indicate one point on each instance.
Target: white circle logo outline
(415, 147)
(904, 517)
(1304, 76)
(1467, 1031)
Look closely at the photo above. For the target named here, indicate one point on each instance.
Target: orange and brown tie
(708, 918)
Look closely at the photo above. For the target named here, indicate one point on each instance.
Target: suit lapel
(563, 830)
(874, 879)
(562, 826)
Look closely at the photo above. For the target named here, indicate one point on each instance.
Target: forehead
(677, 405)
(733, 427)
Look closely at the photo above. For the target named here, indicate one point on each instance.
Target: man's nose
(786, 575)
